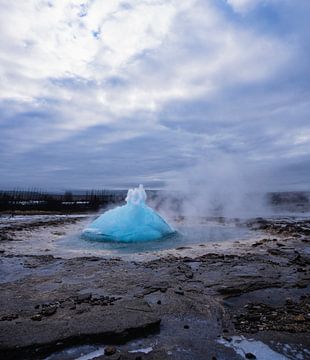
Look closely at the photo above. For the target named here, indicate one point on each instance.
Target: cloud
(147, 89)
(243, 6)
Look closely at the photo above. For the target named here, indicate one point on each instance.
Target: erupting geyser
(134, 221)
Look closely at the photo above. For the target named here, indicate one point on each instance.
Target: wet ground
(245, 298)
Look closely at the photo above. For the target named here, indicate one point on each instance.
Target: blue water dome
(132, 222)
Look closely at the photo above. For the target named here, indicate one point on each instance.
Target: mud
(178, 305)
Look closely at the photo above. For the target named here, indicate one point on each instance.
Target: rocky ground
(190, 305)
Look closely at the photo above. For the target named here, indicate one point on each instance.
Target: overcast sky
(113, 93)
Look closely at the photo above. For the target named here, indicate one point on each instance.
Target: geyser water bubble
(134, 221)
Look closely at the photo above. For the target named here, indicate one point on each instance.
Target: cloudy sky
(111, 93)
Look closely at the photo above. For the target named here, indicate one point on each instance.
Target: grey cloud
(196, 97)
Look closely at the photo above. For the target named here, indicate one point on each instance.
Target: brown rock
(109, 350)
(299, 318)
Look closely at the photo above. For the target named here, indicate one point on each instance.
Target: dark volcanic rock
(9, 317)
(83, 297)
(124, 320)
(60, 302)
(37, 317)
(49, 310)
(291, 317)
(250, 356)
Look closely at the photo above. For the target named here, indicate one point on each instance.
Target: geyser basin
(133, 222)
(190, 233)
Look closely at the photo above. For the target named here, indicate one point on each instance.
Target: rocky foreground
(179, 307)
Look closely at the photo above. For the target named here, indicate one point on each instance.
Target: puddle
(244, 347)
(270, 296)
(85, 352)
(144, 351)
(92, 355)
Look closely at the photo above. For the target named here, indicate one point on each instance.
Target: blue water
(185, 235)
(132, 222)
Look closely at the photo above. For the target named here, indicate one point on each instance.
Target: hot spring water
(135, 228)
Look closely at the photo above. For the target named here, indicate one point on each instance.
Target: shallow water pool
(185, 236)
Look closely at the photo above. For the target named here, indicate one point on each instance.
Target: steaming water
(130, 228)
(187, 234)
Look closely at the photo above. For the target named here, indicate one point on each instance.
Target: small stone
(189, 274)
(299, 318)
(36, 317)
(289, 301)
(48, 311)
(159, 302)
(179, 292)
(250, 356)
(109, 350)
(186, 327)
(81, 311)
(83, 297)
